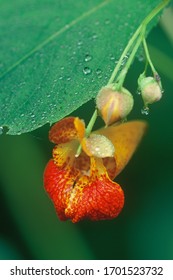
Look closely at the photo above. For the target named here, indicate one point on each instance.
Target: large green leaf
(56, 54)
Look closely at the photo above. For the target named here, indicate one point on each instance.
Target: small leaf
(56, 55)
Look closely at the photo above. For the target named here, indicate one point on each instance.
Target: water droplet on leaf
(99, 73)
(107, 21)
(79, 43)
(88, 57)
(112, 57)
(86, 70)
(94, 36)
(141, 58)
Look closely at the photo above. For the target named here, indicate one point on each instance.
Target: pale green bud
(150, 90)
(114, 105)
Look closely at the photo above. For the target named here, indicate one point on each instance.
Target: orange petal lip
(58, 183)
(95, 197)
(101, 199)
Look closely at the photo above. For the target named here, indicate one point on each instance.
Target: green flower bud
(114, 105)
(150, 90)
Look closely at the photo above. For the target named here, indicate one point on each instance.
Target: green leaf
(55, 55)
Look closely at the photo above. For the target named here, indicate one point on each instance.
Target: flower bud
(114, 105)
(150, 90)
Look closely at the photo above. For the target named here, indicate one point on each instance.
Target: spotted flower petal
(77, 196)
(67, 129)
(81, 187)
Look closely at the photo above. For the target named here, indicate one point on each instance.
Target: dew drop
(107, 21)
(86, 70)
(145, 111)
(94, 36)
(124, 60)
(79, 43)
(88, 57)
(99, 73)
(141, 58)
(112, 57)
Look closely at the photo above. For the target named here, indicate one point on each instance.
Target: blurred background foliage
(29, 227)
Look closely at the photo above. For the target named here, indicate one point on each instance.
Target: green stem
(124, 54)
(155, 11)
(91, 123)
(148, 56)
(155, 74)
(142, 26)
(123, 73)
(88, 130)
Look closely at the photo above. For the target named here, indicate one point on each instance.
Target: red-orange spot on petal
(98, 200)
(66, 130)
(58, 183)
(77, 196)
(95, 197)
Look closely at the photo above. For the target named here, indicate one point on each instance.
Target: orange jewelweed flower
(81, 186)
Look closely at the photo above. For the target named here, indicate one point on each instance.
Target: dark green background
(29, 228)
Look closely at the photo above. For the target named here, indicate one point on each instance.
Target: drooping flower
(81, 186)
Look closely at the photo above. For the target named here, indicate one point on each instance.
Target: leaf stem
(124, 54)
(148, 56)
(131, 42)
(91, 123)
(88, 130)
(123, 73)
